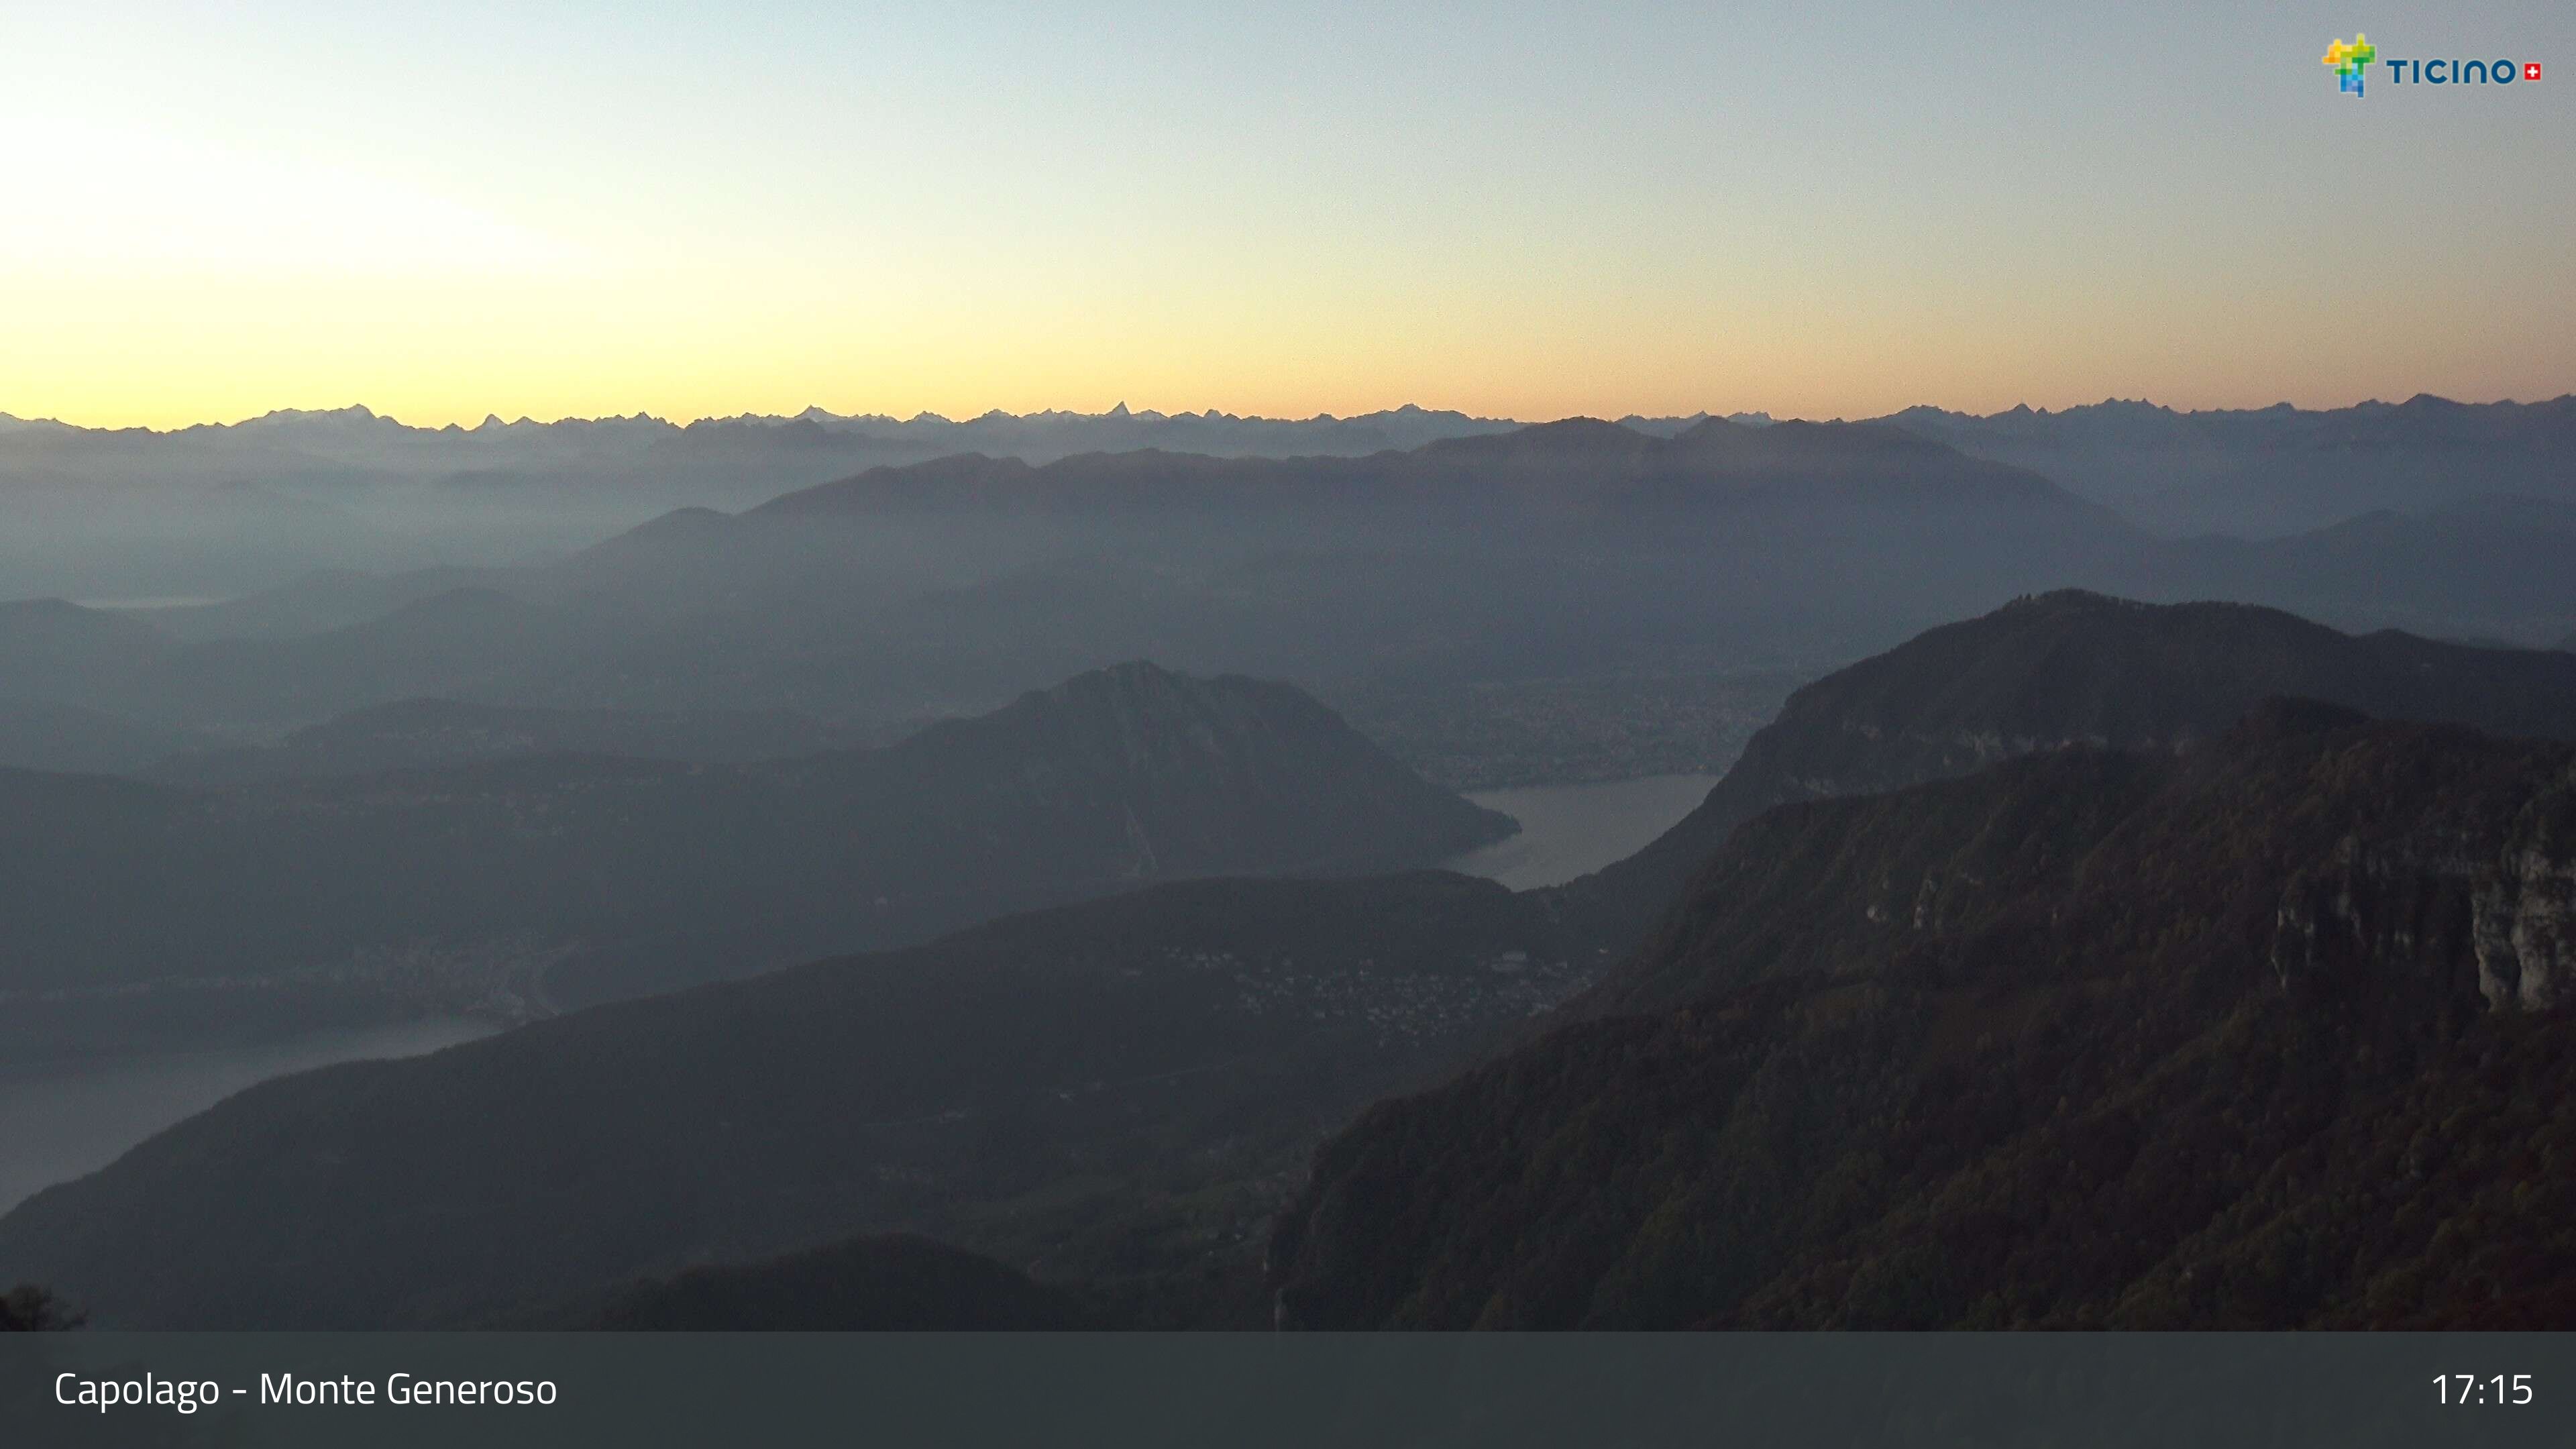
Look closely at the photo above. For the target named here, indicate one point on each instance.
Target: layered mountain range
(226, 508)
(2278, 470)
(947, 587)
(869, 605)
(218, 510)
(2107, 1023)
(358, 437)
(521, 884)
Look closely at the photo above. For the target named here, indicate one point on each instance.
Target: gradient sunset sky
(447, 211)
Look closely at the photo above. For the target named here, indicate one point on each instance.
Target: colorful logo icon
(2531, 70)
(2351, 62)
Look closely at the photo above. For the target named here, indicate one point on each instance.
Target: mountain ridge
(2063, 669)
(1712, 451)
(2121, 409)
(2267, 472)
(2268, 1034)
(513, 885)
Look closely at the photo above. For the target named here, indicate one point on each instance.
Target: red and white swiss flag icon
(2531, 70)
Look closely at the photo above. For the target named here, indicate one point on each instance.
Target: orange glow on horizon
(887, 210)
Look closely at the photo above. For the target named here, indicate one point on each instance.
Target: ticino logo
(2351, 65)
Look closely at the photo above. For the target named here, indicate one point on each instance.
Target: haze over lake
(1572, 830)
(65, 1122)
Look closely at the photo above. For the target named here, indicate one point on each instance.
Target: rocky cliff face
(2274, 1032)
(2499, 893)
(2523, 908)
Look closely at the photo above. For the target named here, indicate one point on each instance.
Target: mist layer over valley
(1060, 838)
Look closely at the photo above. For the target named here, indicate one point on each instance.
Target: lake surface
(1572, 830)
(56, 1126)
(60, 1125)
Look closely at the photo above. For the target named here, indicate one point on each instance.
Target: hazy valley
(871, 937)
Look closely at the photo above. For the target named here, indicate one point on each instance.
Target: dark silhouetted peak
(2131, 409)
(681, 525)
(1141, 688)
(1218, 755)
(283, 417)
(2072, 669)
(1798, 444)
(2075, 602)
(1713, 432)
(1129, 675)
(1847, 438)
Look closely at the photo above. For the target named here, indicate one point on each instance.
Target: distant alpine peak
(2419, 404)
(353, 413)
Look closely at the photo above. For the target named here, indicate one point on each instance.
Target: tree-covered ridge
(2265, 1035)
(2064, 669)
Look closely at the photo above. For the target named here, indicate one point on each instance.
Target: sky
(208, 211)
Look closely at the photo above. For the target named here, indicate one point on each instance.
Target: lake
(1572, 830)
(58, 1125)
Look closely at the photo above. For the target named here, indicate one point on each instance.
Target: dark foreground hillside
(1119, 1093)
(2275, 1033)
(895, 1283)
(2063, 669)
